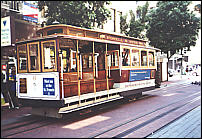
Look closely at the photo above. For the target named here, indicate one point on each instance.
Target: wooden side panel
(87, 86)
(115, 74)
(101, 74)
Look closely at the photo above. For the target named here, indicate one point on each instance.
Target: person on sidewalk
(13, 101)
(187, 70)
(4, 89)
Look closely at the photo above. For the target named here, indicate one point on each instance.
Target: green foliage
(135, 27)
(123, 24)
(172, 26)
(77, 13)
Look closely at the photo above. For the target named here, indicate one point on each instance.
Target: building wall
(122, 8)
(20, 29)
(194, 56)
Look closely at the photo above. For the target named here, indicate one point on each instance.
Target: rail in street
(126, 126)
(134, 118)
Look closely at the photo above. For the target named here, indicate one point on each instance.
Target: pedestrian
(4, 89)
(187, 70)
(12, 89)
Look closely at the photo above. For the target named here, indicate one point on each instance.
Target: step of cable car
(89, 103)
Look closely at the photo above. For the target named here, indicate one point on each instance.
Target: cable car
(67, 68)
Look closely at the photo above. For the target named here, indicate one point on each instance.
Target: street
(136, 118)
(100, 69)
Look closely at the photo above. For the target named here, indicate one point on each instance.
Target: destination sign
(123, 40)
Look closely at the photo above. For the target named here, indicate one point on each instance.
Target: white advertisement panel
(44, 86)
(30, 12)
(5, 31)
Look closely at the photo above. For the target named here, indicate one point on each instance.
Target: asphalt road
(133, 118)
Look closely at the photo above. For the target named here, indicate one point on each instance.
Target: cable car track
(45, 122)
(134, 128)
(35, 124)
(163, 90)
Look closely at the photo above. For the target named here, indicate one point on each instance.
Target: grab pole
(77, 57)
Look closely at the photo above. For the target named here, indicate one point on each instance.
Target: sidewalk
(187, 126)
(183, 78)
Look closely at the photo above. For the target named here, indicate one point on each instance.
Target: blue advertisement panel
(48, 86)
(136, 75)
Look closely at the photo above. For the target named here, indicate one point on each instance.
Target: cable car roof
(92, 30)
(85, 39)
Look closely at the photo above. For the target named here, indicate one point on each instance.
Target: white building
(118, 8)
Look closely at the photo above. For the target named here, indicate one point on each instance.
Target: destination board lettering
(121, 39)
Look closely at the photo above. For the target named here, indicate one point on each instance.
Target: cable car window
(23, 85)
(73, 61)
(22, 58)
(143, 58)
(76, 32)
(65, 59)
(87, 62)
(54, 31)
(151, 58)
(92, 34)
(135, 58)
(126, 57)
(49, 56)
(113, 58)
(34, 57)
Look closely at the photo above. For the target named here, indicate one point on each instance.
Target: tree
(123, 24)
(135, 26)
(172, 26)
(77, 13)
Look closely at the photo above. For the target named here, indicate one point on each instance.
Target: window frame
(139, 57)
(54, 31)
(28, 57)
(110, 53)
(125, 47)
(42, 56)
(153, 59)
(18, 58)
(87, 66)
